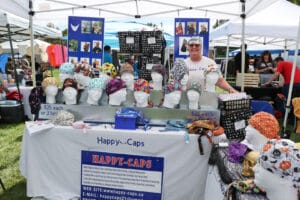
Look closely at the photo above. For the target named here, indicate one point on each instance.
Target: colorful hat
(97, 83)
(69, 82)
(49, 81)
(159, 68)
(67, 68)
(265, 123)
(142, 85)
(109, 69)
(172, 86)
(115, 85)
(126, 68)
(179, 69)
(282, 158)
(193, 84)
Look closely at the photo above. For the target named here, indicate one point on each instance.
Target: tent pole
(227, 53)
(287, 108)
(243, 16)
(31, 13)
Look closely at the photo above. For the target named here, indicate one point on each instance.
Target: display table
(51, 160)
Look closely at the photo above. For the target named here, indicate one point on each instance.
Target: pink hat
(115, 85)
(142, 85)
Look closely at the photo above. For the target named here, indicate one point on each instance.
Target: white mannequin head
(193, 98)
(212, 75)
(254, 139)
(70, 95)
(128, 78)
(157, 80)
(141, 99)
(94, 95)
(51, 92)
(278, 169)
(82, 80)
(172, 99)
(118, 97)
(184, 81)
(50, 87)
(63, 77)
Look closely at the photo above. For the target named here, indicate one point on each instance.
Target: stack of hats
(126, 68)
(115, 85)
(142, 85)
(179, 70)
(172, 86)
(266, 124)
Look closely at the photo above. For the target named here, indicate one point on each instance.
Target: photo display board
(85, 39)
(185, 28)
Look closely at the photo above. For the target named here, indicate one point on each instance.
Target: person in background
(9, 69)
(265, 65)
(197, 64)
(238, 61)
(3, 89)
(107, 57)
(285, 69)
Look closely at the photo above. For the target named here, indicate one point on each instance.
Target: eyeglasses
(194, 45)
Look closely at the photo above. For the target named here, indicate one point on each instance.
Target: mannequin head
(116, 91)
(172, 94)
(157, 75)
(127, 75)
(262, 126)
(141, 92)
(95, 89)
(180, 72)
(278, 169)
(212, 75)
(50, 87)
(193, 98)
(70, 91)
(66, 70)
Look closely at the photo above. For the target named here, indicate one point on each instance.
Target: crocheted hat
(195, 40)
(115, 85)
(193, 84)
(64, 118)
(172, 86)
(126, 68)
(97, 83)
(179, 69)
(159, 68)
(282, 158)
(265, 123)
(109, 69)
(69, 82)
(49, 81)
(142, 85)
(66, 68)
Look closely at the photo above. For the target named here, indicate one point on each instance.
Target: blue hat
(67, 68)
(97, 83)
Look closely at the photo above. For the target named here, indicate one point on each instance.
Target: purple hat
(115, 85)
(172, 86)
(159, 68)
(236, 152)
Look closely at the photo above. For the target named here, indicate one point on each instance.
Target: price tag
(151, 40)
(129, 40)
(239, 125)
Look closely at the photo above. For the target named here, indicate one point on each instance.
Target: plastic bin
(125, 121)
(11, 112)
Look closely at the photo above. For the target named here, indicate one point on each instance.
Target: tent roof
(272, 25)
(20, 29)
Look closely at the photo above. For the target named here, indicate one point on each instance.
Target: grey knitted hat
(179, 70)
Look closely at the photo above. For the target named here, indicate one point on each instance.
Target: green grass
(14, 182)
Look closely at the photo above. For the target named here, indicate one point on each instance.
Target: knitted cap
(115, 85)
(266, 124)
(49, 81)
(159, 68)
(179, 69)
(193, 84)
(97, 83)
(172, 86)
(64, 118)
(109, 69)
(142, 85)
(69, 82)
(126, 68)
(66, 68)
(282, 158)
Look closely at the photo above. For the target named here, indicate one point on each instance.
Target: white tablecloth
(51, 160)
